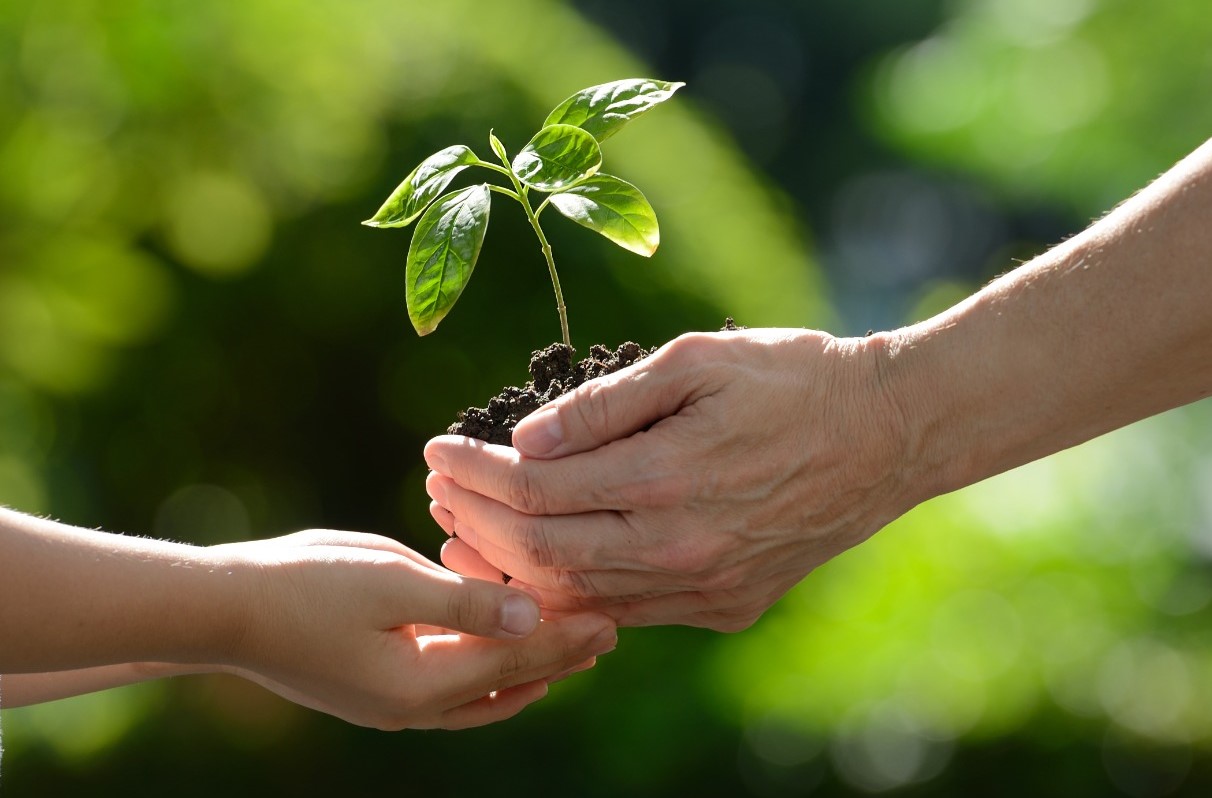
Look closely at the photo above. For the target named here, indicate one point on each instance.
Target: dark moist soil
(553, 372)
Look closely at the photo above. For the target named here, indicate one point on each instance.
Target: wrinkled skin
(695, 487)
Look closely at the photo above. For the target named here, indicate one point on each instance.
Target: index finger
(624, 474)
(466, 668)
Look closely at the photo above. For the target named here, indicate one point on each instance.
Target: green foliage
(558, 157)
(427, 181)
(196, 343)
(561, 159)
(602, 110)
(1059, 594)
(443, 253)
(614, 208)
(1081, 101)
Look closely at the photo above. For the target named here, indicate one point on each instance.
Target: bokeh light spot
(1147, 686)
(217, 224)
(888, 750)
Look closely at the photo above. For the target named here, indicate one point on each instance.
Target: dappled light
(1042, 96)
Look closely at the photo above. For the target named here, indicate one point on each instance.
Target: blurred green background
(199, 341)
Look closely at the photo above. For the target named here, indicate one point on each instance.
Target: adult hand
(695, 487)
(341, 622)
(701, 483)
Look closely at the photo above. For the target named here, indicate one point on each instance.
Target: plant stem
(505, 191)
(492, 166)
(555, 277)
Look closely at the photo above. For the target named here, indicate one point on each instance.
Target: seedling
(562, 160)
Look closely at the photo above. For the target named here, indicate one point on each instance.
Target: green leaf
(443, 253)
(498, 147)
(602, 110)
(424, 183)
(557, 157)
(614, 208)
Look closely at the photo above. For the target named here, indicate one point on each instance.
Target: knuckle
(702, 362)
(591, 408)
(687, 348)
(676, 558)
(524, 491)
(686, 557)
(574, 650)
(662, 486)
(577, 584)
(531, 539)
(308, 537)
(464, 611)
(514, 662)
(724, 580)
(674, 488)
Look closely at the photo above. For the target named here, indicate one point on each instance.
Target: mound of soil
(553, 372)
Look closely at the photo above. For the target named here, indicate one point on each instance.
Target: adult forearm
(1105, 329)
(76, 598)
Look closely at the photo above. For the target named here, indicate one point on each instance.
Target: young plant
(562, 161)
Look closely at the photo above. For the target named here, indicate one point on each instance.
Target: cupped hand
(695, 487)
(345, 623)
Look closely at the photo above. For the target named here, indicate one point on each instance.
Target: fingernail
(437, 463)
(538, 434)
(584, 666)
(605, 642)
(519, 616)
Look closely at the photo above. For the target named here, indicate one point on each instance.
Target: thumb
(604, 410)
(474, 606)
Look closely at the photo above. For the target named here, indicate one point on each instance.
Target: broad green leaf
(424, 183)
(498, 147)
(557, 156)
(443, 253)
(602, 110)
(614, 208)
